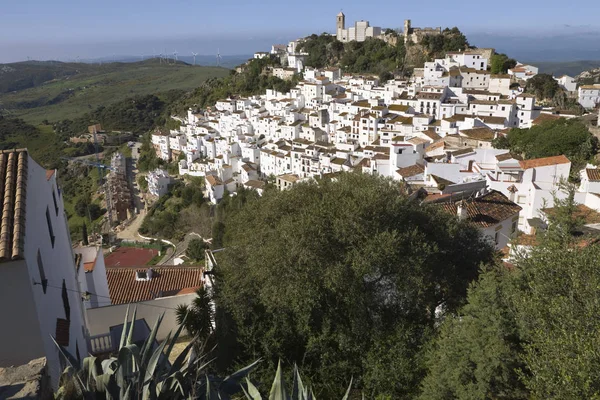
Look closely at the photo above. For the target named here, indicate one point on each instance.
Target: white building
(158, 182)
(531, 184)
(492, 212)
(39, 289)
(91, 274)
(523, 71)
(568, 83)
(359, 32)
(589, 96)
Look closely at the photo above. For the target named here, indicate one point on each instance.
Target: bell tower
(340, 25)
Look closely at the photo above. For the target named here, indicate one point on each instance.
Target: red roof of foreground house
(487, 210)
(544, 162)
(124, 288)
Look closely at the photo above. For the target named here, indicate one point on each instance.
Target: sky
(67, 29)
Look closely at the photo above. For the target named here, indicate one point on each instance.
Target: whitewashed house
(38, 277)
(158, 182)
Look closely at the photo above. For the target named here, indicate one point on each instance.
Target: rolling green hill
(53, 91)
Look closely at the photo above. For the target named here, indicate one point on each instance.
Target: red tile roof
(487, 210)
(13, 178)
(544, 162)
(412, 170)
(593, 174)
(123, 288)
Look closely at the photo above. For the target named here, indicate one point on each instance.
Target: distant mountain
(54, 91)
(228, 61)
(564, 44)
(571, 68)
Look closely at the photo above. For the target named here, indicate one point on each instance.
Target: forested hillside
(377, 56)
(37, 91)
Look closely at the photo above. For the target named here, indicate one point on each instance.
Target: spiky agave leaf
(278, 388)
(348, 391)
(252, 393)
(231, 384)
(124, 331)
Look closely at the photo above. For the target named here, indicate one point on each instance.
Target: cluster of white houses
(434, 131)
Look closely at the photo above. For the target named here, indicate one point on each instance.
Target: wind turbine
(218, 58)
(194, 54)
(175, 55)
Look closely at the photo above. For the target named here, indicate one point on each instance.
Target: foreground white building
(38, 278)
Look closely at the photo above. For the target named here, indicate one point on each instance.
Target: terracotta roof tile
(593, 174)
(13, 189)
(543, 162)
(487, 210)
(123, 287)
(412, 170)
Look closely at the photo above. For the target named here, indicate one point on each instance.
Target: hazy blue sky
(44, 29)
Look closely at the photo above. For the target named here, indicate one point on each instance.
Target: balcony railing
(101, 344)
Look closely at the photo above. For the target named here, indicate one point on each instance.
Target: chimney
(461, 210)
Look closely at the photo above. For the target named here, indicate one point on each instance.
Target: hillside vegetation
(53, 91)
(376, 55)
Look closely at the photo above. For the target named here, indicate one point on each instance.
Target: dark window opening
(43, 279)
(55, 203)
(65, 299)
(50, 230)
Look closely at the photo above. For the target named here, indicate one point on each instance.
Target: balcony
(101, 344)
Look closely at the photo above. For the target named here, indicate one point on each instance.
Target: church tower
(340, 25)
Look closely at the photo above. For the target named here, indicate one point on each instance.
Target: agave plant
(278, 391)
(146, 373)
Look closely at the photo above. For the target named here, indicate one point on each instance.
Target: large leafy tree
(477, 352)
(552, 138)
(328, 275)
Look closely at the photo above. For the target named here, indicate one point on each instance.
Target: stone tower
(340, 24)
(407, 30)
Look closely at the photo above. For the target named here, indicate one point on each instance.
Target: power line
(86, 295)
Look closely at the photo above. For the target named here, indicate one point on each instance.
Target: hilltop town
(342, 214)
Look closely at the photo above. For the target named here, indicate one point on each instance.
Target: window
(65, 299)
(514, 227)
(55, 203)
(43, 279)
(50, 230)
(521, 199)
(497, 237)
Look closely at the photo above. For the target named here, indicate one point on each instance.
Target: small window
(55, 203)
(43, 279)
(65, 299)
(514, 227)
(497, 237)
(521, 199)
(50, 230)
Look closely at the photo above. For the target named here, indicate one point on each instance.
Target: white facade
(158, 182)
(589, 96)
(359, 32)
(568, 83)
(35, 305)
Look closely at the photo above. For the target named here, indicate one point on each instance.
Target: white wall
(20, 338)
(59, 264)
(102, 318)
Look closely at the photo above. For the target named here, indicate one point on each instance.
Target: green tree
(84, 234)
(500, 64)
(477, 352)
(556, 309)
(569, 137)
(195, 249)
(81, 207)
(324, 274)
(543, 86)
(197, 317)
